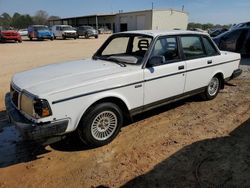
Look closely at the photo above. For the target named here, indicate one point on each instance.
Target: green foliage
(206, 26)
(19, 21)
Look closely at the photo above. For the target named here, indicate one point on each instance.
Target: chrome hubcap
(104, 125)
(213, 86)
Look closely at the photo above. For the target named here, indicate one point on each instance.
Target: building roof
(114, 14)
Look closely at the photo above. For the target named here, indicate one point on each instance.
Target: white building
(154, 19)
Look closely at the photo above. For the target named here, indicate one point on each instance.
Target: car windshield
(40, 28)
(124, 48)
(67, 28)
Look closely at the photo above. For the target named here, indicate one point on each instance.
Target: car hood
(55, 78)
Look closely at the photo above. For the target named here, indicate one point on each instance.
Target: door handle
(181, 67)
(209, 62)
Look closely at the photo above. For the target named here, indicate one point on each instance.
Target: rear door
(166, 79)
(201, 57)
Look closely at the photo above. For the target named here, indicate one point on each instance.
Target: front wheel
(101, 124)
(212, 89)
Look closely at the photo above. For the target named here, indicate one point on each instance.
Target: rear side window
(209, 47)
(192, 47)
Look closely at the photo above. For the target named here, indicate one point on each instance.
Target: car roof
(155, 33)
(61, 26)
(39, 25)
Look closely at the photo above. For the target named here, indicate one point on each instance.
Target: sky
(202, 11)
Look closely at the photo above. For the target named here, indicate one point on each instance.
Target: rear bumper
(236, 73)
(31, 130)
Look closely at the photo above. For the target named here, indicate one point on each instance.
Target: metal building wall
(169, 19)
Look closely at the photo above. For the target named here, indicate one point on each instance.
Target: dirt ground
(191, 143)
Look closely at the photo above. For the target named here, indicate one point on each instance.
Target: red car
(6, 35)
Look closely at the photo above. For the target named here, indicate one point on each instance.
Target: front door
(165, 79)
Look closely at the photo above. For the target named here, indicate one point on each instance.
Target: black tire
(52, 38)
(88, 131)
(86, 35)
(96, 36)
(64, 37)
(31, 38)
(212, 89)
(75, 38)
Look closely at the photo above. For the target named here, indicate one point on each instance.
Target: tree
(54, 18)
(41, 17)
(5, 20)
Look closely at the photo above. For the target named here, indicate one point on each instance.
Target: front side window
(192, 47)
(166, 47)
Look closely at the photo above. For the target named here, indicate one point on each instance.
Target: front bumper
(45, 36)
(31, 130)
(11, 38)
(70, 35)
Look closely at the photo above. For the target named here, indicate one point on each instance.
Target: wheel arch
(220, 75)
(112, 99)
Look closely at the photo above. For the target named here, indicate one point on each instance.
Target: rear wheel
(96, 36)
(212, 89)
(101, 124)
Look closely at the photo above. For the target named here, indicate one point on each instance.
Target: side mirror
(156, 61)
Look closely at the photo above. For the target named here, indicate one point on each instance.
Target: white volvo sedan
(131, 73)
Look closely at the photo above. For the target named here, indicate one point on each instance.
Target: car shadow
(13, 150)
(216, 162)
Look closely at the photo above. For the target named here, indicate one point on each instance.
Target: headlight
(42, 108)
(37, 108)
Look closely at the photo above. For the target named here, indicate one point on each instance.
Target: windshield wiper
(121, 63)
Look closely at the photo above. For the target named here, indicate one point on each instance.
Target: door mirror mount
(156, 61)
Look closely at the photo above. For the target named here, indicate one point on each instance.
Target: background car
(104, 30)
(7, 34)
(236, 40)
(218, 31)
(87, 31)
(240, 25)
(23, 32)
(40, 32)
(63, 31)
